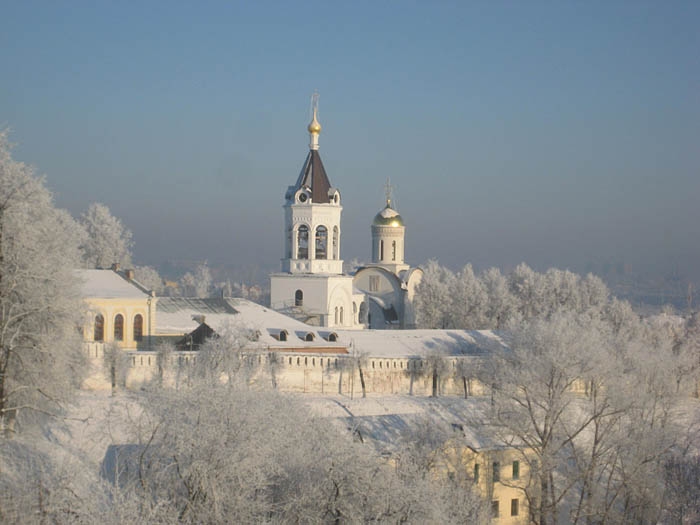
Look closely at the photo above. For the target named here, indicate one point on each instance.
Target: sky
(560, 134)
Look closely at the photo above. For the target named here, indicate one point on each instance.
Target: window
(363, 313)
(321, 242)
(476, 473)
(373, 283)
(514, 507)
(283, 336)
(335, 241)
(309, 337)
(303, 242)
(119, 327)
(393, 250)
(298, 298)
(381, 250)
(138, 327)
(496, 471)
(99, 328)
(516, 470)
(333, 337)
(341, 315)
(335, 319)
(494, 509)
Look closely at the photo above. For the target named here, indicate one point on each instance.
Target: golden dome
(315, 126)
(388, 217)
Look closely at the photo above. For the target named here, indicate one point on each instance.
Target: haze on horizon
(556, 134)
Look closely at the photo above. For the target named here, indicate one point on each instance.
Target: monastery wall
(285, 371)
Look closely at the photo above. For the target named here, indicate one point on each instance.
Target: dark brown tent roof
(313, 175)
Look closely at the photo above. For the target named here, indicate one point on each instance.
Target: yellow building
(472, 454)
(119, 309)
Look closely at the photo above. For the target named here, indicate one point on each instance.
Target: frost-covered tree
(116, 365)
(436, 366)
(197, 284)
(358, 361)
(501, 306)
(108, 241)
(229, 356)
(469, 301)
(533, 392)
(41, 361)
(215, 454)
(433, 298)
(150, 278)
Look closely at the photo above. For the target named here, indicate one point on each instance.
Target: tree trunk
(362, 382)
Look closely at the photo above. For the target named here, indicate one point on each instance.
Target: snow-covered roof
(182, 315)
(108, 284)
(385, 420)
(417, 343)
(177, 316)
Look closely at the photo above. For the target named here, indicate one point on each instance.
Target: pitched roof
(313, 175)
(108, 284)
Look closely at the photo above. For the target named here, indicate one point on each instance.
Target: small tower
(311, 285)
(388, 234)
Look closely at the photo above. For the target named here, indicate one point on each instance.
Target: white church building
(312, 286)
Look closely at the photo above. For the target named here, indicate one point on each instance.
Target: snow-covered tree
(108, 241)
(41, 362)
(150, 278)
(501, 306)
(436, 366)
(216, 454)
(358, 361)
(433, 299)
(533, 391)
(229, 356)
(469, 301)
(197, 284)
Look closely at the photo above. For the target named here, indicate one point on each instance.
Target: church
(312, 286)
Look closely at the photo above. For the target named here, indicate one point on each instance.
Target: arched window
(336, 315)
(381, 250)
(321, 242)
(393, 250)
(333, 337)
(138, 327)
(309, 337)
(363, 312)
(119, 327)
(298, 298)
(341, 315)
(303, 242)
(99, 328)
(335, 243)
(283, 335)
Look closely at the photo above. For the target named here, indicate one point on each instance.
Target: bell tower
(312, 214)
(311, 282)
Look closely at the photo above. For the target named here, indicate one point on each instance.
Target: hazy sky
(553, 133)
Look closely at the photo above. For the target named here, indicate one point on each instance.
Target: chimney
(115, 267)
(129, 274)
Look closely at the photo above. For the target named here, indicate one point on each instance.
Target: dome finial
(388, 190)
(315, 126)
